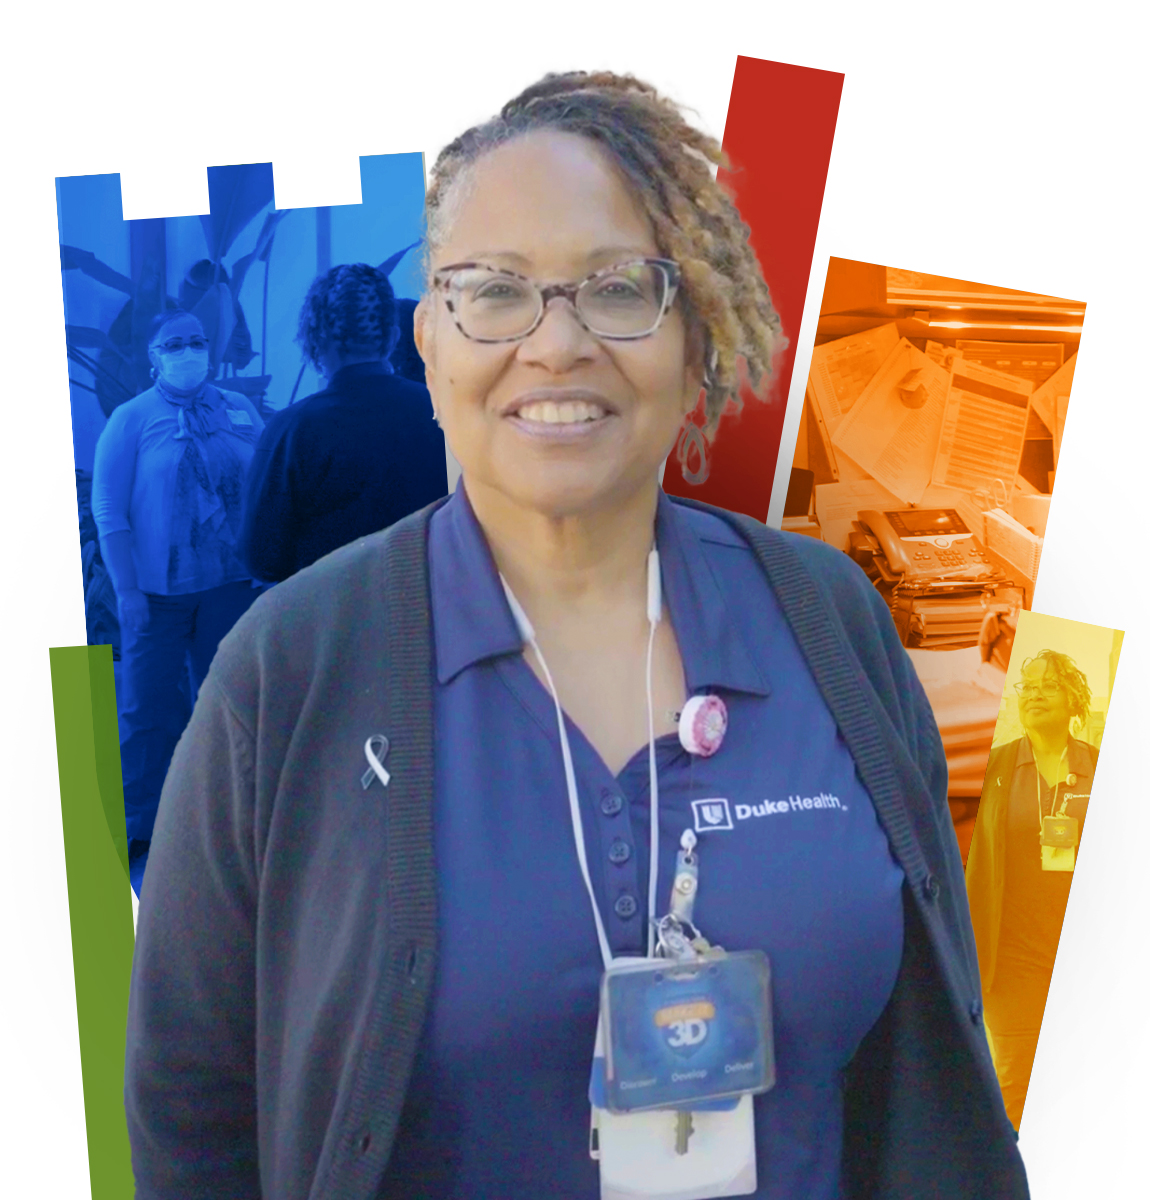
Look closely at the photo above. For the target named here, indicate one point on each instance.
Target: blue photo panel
(246, 398)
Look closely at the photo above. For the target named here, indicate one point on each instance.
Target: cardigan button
(975, 1011)
(363, 1142)
(931, 887)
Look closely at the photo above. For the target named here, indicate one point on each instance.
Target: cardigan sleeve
(190, 1085)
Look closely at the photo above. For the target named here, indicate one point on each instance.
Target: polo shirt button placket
(610, 803)
(619, 852)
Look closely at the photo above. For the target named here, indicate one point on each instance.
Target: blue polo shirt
(791, 861)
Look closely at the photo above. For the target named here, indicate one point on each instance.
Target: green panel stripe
(99, 899)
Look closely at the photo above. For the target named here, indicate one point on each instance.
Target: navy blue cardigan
(287, 931)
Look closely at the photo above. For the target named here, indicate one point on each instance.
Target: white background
(1003, 143)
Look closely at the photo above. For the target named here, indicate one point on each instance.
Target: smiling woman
(385, 982)
(551, 416)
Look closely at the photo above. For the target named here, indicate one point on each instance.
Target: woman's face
(182, 369)
(552, 207)
(1043, 705)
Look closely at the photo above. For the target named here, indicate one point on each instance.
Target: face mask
(186, 369)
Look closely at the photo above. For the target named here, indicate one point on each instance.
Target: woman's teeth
(567, 412)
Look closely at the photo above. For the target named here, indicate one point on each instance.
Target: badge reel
(684, 1042)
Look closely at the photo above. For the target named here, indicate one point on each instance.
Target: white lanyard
(527, 632)
(1053, 787)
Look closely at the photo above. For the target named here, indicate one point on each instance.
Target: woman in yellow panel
(1022, 860)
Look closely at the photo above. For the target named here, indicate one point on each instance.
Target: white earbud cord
(654, 616)
(527, 632)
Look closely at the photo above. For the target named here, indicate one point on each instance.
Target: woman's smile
(560, 414)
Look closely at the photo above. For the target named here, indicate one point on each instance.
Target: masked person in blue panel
(351, 459)
(166, 497)
(1022, 856)
(559, 731)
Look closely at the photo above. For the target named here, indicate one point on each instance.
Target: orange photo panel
(927, 451)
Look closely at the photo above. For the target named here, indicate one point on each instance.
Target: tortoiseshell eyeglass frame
(672, 275)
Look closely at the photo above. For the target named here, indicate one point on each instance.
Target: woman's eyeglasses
(1048, 688)
(175, 345)
(622, 302)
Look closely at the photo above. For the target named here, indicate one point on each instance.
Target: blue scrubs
(791, 859)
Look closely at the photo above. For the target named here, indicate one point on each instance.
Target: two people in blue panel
(198, 504)
(559, 740)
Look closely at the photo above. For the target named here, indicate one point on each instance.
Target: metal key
(684, 1127)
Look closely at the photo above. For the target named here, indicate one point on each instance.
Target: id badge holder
(1059, 843)
(680, 1049)
(684, 1040)
(680, 1033)
(637, 1156)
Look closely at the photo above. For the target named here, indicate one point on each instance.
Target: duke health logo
(715, 813)
(711, 814)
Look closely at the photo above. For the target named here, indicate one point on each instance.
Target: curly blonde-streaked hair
(666, 162)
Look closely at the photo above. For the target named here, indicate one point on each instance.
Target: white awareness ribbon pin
(375, 749)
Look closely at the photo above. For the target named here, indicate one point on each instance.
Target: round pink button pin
(702, 725)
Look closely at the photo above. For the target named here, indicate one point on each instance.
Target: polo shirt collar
(472, 620)
(470, 615)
